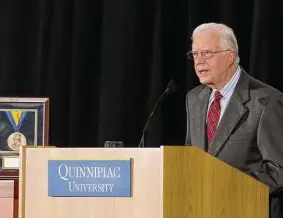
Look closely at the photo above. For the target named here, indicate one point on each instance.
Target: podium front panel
(146, 190)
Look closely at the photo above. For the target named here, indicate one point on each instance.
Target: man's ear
(232, 56)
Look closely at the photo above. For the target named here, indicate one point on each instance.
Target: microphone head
(172, 86)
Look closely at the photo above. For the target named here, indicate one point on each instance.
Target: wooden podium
(167, 182)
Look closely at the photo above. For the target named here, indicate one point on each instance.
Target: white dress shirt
(226, 92)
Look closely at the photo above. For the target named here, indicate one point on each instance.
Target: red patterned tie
(213, 118)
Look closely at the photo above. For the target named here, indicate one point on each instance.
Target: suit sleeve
(188, 134)
(270, 143)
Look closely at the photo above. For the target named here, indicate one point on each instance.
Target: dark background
(104, 63)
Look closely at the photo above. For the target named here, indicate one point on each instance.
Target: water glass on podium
(113, 144)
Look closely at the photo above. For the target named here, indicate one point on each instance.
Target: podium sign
(89, 178)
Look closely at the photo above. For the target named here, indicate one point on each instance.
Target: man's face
(211, 71)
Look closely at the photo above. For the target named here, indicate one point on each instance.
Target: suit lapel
(234, 112)
(201, 112)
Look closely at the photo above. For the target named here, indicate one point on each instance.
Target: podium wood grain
(167, 182)
(200, 186)
(145, 200)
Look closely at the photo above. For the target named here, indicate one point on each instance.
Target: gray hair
(228, 38)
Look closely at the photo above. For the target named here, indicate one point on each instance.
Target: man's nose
(199, 59)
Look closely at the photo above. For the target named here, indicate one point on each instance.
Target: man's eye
(206, 53)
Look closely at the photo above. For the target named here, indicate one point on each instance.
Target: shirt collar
(230, 86)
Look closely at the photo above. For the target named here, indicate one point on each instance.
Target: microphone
(171, 87)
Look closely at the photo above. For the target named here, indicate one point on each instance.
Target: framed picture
(23, 121)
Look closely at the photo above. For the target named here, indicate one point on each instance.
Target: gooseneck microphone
(171, 87)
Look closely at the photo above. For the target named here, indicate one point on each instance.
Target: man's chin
(207, 83)
(204, 81)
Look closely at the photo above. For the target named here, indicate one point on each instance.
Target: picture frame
(23, 121)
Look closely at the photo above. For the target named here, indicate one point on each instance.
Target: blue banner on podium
(89, 178)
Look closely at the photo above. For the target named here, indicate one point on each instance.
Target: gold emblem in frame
(16, 140)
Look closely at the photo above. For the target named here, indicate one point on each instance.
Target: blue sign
(89, 178)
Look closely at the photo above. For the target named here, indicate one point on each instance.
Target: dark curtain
(103, 64)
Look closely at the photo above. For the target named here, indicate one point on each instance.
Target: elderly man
(233, 116)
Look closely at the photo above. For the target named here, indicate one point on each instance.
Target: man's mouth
(203, 71)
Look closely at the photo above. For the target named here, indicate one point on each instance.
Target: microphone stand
(171, 87)
(149, 120)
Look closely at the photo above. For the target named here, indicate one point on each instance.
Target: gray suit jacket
(249, 136)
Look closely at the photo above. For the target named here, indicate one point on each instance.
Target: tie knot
(217, 95)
